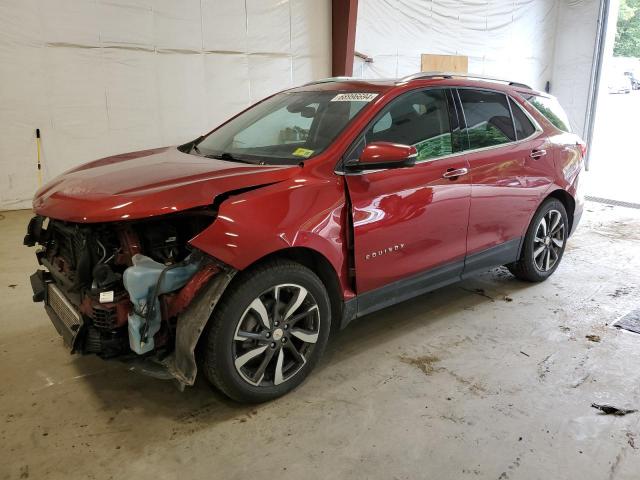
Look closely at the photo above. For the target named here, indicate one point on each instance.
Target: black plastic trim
(502, 254)
(405, 289)
(401, 290)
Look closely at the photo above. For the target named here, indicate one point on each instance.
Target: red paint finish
(507, 187)
(307, 211)
(408, 220)
(344, 14)
(382, 152)
(145, 184)
(178, 302)
(404, 220)
(130, 245)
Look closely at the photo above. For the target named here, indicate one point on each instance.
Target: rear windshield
(552, 111)
(284, 129)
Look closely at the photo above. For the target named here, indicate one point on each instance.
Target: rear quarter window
(550, 108)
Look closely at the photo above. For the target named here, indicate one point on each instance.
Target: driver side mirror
(379, 155)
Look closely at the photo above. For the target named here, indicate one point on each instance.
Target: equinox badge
(384, 251)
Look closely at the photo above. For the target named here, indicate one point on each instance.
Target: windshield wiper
(229, 157)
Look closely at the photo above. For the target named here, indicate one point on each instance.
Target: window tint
(524, 127)
(551, 109)
(420, 119)
(488, 118)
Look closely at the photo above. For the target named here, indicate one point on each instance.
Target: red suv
(245, 247)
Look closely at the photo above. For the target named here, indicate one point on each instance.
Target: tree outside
(628, 32)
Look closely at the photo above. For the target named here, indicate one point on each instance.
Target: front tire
(544, 243)
(268, 332)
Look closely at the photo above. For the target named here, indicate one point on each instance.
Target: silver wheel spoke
(558, 229)
(276, 296)
(538, 251)
(277, 379)
(302, 294)
(543, 224)
(276, 333)
(556, 220)
(305, 335)
(241, 360)
(548, 241)
(547, 259)
(261, 310)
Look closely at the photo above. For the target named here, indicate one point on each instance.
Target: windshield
(284, 129)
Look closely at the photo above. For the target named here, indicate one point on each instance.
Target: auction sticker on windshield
(354, 97)
(302, 152)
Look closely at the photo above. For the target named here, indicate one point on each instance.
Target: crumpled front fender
(181, 364)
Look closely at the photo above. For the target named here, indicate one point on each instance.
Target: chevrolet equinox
(238, 252)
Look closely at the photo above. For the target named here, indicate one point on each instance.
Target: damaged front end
(132, 290)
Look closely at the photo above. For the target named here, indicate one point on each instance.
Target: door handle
(454, 173)
(538, 153)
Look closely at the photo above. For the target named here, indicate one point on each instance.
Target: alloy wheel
(275, 335)
(548, 241)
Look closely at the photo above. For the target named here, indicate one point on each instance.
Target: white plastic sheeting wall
(531, 41)
(503, 38)
(101, 77)
(574, 56)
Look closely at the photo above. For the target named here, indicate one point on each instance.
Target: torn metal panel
(182, 362)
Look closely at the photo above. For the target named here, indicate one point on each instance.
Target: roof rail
(331, 79)
(425, 75)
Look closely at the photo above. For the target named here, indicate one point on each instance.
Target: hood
(145, 184)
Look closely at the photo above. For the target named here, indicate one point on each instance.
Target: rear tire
(268, 332)
(544, 243)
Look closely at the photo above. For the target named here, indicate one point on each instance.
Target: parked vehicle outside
(239, 252)
(635, 81)
(619, 83)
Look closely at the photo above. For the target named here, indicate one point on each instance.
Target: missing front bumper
(180, 364)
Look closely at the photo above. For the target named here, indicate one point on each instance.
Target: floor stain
(425, 362)
(544, 367)
(619, 230)
(631, 440)
(479, 291)
(621, 292)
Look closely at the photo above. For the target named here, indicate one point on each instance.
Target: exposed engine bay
(116, 289)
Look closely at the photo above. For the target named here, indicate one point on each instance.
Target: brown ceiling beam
(343, 21)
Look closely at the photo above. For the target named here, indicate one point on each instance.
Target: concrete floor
(494, 383)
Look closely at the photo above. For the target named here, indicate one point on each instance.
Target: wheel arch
(567, 200)
(318, 264)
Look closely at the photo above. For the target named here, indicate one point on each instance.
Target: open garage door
(614, 166)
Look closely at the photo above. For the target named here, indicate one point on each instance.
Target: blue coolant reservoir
(140, 281)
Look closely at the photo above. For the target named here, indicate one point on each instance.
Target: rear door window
(550, 108)
(488, 118)
(524, 127)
